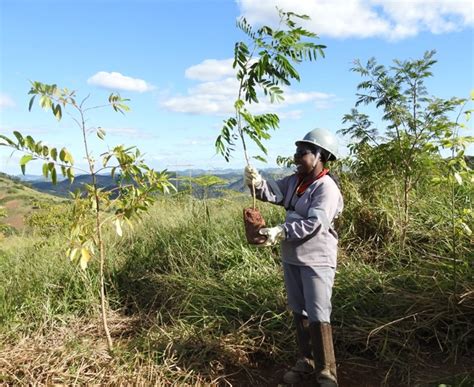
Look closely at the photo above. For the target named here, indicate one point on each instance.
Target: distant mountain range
(63, 187)
(35, 178)
(233, 181)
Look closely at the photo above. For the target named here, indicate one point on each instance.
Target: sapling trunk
(247, 160)
(103, 299)
(253, 220)
(99, 242)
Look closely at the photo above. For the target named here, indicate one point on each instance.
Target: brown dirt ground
(15, 220)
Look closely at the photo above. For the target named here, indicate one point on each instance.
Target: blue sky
(173, 60)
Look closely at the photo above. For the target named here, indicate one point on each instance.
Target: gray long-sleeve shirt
(310, 236)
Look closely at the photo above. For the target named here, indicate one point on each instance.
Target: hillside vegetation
(193, 303)
(18, 200)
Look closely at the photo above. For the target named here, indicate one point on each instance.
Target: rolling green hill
(232, 179)
(18, 199)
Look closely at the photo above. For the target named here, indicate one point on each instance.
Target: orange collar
(303, 185)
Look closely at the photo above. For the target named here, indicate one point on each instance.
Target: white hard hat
(323, 139)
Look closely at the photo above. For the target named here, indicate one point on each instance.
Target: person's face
(305, 159)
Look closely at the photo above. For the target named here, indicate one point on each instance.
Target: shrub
(49, 219)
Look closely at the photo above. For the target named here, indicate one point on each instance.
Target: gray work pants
(309, 290)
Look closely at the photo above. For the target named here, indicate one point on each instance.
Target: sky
(173, 60)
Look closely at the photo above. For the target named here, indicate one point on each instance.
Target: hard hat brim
(332, 156)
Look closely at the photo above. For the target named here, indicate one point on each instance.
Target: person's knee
(320, 313)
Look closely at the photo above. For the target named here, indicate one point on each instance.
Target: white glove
(251, 174)
(273, 234)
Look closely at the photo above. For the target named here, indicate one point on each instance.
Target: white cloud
(217, 97)
(390, 19)
(198, 104)
(223, 88)
(6, 101)
(117, 81)
(409, 17)
(211, 70)
(293, 98)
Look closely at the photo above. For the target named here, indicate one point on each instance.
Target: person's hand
(251, 174)
(273, 234)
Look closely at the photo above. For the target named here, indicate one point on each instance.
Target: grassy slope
(195, 304)
(19, 200)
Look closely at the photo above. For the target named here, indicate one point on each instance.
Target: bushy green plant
(50, 219)
(265, 64)
(395, 157)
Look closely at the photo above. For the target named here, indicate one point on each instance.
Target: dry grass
(76, 353)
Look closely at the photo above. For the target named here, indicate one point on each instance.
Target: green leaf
(68, 157)
(30, 143)
(73, 253)
(85, 258)
(100, 133)
(260, 158)
(45, 170)
(53, 176)
(239, 104)
(54, 153)
(30, 105)
(70, 174)
(45, 102)
(57, 112)
(26, 159)
(19, 137)
(9, 142)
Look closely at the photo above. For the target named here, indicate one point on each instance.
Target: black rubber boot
(323, 352)
(304, 367)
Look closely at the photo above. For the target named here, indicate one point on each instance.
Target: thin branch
(97, 107)
(83, 101)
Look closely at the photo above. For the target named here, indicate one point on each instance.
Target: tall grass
(194, 303)
(38, 284)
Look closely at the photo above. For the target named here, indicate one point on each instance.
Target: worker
(312, 199)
